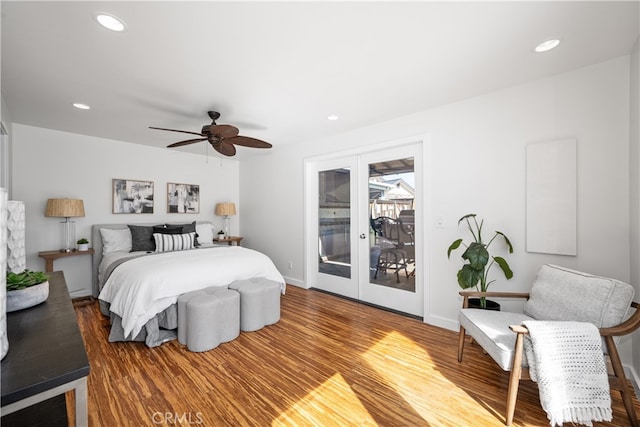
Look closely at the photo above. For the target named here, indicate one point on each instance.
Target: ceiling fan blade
(176, 130)
(223, 131)
(224, 148)
(185, 142)
(246, 141)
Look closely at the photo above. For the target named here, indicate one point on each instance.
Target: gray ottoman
(271, 293)
(228, 320)
(259, 303)
(182, 314)
(212, 319)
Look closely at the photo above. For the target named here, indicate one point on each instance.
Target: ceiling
(277, 70)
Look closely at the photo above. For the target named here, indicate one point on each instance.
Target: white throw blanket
(567, 362)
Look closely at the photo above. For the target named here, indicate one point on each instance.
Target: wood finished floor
(328, 362)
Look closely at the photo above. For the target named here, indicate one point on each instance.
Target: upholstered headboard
(96, 240)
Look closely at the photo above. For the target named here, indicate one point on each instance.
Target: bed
(140, 270)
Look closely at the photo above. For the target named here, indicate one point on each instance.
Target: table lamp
(66, 208)
(225, 210)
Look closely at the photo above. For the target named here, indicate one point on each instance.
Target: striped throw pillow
(174, 242)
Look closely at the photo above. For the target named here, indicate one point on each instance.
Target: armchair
(557, 294)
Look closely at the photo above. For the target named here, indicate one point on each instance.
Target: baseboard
(442, 322)
(79, 293)
(295, 282)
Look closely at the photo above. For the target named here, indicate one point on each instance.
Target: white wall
(478, 158)
(5, 118)
(52, 164)
(634, 195)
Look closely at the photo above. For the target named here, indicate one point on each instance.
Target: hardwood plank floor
(328, 362)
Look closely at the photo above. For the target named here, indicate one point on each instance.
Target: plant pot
(27, 297)
(83, 247)
(491, 305)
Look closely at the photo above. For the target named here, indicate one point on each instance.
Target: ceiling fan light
(547, 45)
(110, 22)
(81, 106)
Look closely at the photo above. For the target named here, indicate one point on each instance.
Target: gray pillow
(559, 293)
(186, 228)
(142, 238)
(166, 230)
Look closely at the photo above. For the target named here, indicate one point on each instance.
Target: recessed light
(110, 22)
(547, 45)
(332, 117)
(81, 106)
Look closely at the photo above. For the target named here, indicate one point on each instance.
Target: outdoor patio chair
(392, 255)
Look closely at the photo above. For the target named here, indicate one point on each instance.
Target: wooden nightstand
(50, 256)
(230, 240)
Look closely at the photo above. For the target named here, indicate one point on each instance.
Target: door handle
(363, 236)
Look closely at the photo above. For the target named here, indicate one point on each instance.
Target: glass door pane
(390, 206)
(334, 222)
(392, 223)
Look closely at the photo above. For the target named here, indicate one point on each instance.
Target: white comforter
(142, 287)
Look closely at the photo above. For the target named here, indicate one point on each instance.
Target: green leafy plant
(27, 278)
(220, 232)
(82, 241)
(478, 260)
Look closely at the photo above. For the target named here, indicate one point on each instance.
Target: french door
(363, 225)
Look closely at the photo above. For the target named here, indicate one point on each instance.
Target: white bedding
(109, 259)
(142, 287)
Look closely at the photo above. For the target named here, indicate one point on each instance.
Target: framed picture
(183, 198)
(132, 197)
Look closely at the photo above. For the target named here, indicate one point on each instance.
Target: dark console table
(46, 356)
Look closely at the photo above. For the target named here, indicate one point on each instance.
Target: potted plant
(83, 244)
(221, 235)
(478, 260)
(26, 289)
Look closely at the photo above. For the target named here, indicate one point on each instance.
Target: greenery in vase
(27, 278)
(82, 241)
(475, 271)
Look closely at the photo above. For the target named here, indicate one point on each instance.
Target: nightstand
(230, 240)
(50, 256)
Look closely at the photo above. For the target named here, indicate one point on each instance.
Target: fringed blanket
(567, 362)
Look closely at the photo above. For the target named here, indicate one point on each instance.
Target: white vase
(83, 247)
(4, 342)
(16, 256)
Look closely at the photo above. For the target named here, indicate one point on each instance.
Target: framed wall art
(132, 197)
(183, 198)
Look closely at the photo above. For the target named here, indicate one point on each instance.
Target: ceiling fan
(221, 137)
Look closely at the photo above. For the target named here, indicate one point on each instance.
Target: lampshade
(64, 208)
(225, 209)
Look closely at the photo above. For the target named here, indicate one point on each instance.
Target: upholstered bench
(259, 303)
(208, 318)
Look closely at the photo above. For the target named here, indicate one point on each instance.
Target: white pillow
(174, 242)
(115, 240)
(205, 233)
